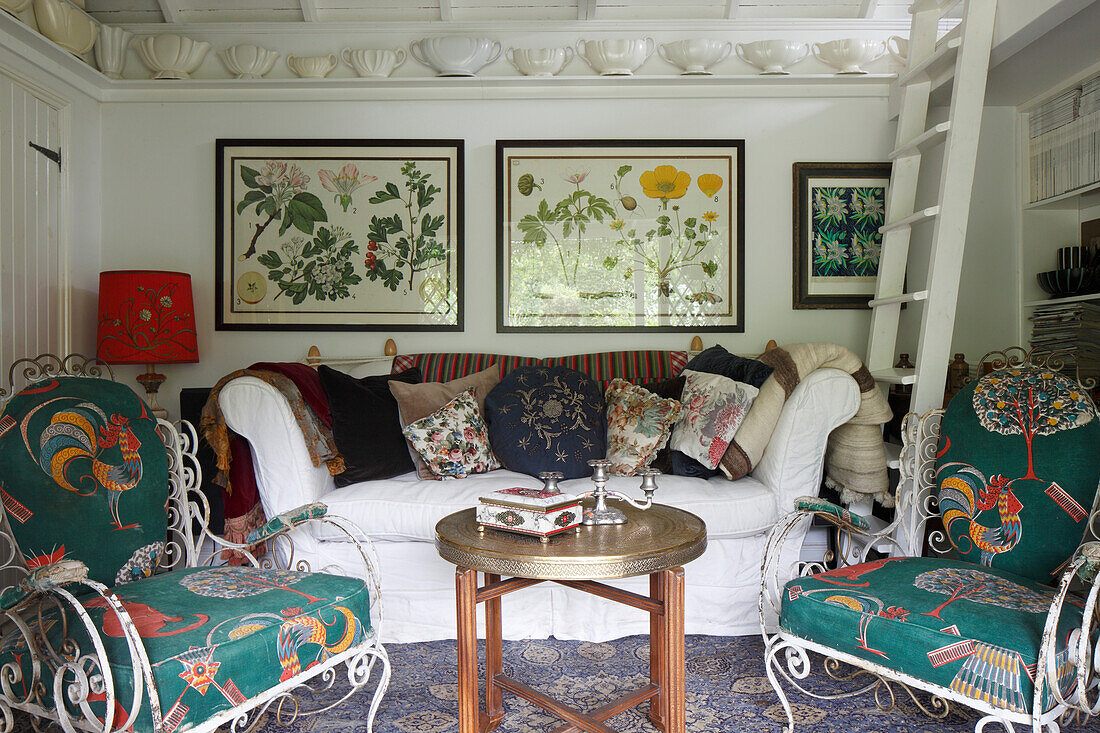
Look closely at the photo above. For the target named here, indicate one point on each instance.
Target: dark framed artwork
(838, 210)
(620, 235)
(325, 235)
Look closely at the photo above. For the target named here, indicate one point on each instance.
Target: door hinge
(54, 155)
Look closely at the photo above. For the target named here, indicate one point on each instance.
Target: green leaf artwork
(844, 231)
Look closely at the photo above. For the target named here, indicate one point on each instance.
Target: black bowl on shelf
(1069, 281)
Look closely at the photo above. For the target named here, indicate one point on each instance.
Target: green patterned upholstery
(1018, 470)
(218, 636)
(80, 447)
(973, 629)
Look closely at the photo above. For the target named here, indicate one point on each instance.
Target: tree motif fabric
(971, 629)
(1008, 496)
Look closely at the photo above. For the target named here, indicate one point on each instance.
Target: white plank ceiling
(482, 11)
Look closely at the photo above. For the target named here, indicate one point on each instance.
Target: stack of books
(1071, 328)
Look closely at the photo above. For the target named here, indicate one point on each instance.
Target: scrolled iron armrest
(1089, 569)
(285, 522)
(42, 580)
(834, 513)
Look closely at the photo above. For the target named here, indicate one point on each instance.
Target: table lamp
(146, 317)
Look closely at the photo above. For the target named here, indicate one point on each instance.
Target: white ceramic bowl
(772, 57)
(455, 55)
(898, 47)
(695, 56)
(539, 61)
(616, 56)
(66, 25)
(110, 50)
(374, 62)
(170, 56)
(246, 61)
(312, 67)
(14, 6)
(848, 55)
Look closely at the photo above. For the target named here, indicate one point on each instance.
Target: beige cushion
(416, 401)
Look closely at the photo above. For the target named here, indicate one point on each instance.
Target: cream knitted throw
(854, 459)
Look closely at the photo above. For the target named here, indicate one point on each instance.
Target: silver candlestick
(550, 480)
(602, 513)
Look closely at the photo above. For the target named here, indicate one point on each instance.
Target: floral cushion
(1018, 470)
(638, 425)
(547, 419)
(84, 475)
(453, 441)
(971, 629)
(216, 637)
(714, 407)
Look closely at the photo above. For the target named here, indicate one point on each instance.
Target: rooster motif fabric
(84, 475)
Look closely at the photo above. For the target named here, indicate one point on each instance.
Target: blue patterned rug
(726, 691)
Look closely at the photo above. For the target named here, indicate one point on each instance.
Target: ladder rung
(893, 455)
(943, 6)
(944, 55)
(928, 139)
(903, 298)
(893, 375)
(912, 219)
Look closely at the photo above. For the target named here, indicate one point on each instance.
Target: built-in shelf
(1082, 197)
(1067, 299)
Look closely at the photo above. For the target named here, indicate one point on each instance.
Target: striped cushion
(447, 367)
(636, 367)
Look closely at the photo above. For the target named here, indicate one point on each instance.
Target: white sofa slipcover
(400, 513)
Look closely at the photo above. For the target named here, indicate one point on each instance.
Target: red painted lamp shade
(146, 317)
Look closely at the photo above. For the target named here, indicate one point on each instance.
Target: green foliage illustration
(279, 191)
(405, 243)
(320, 268)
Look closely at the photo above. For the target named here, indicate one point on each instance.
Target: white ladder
(963, 56)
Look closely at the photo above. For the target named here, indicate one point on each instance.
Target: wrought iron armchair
(1003, 628)
(109, 621)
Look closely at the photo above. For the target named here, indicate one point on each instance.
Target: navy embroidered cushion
(547, 419)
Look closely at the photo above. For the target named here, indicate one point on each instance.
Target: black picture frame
(713, 309)
(848, 291)
(437, 286)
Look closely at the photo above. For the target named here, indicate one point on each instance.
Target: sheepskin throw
(854, 460)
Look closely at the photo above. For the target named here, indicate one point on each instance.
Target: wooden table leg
(494, 660)
(673, 676)
(657, 712)
(466, 595)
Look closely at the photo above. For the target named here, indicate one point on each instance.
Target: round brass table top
(658, 538)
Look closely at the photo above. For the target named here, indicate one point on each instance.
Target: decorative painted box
(539, 512)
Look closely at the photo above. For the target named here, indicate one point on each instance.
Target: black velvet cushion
(670, 389)
(547, 419)
(716, 360)
(365, 424)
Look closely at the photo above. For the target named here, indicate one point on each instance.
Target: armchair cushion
(218, 636)
(973, 629)
(85, 477)
(1018, 470)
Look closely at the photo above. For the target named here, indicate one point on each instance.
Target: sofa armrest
(794, 461)
(285, 474)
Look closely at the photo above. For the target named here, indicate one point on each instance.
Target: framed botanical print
(620, 235)
(316, 235)
(838, 210)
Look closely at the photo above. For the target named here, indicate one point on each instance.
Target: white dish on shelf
(312, 67)
(898, 47)
(14, 6)
(455, 55)
(110, 50)
(170, 56)
(774, 56)
(246, 61)
(695, 56)
(848, 55)
(539, 62)
(66, 25)
(616, 56)
(373, 62)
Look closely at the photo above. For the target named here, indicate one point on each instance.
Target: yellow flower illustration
(709, 184)
(664, 182)
(710, 217)
(618, 224)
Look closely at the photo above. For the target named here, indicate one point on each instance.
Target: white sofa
(400, 514)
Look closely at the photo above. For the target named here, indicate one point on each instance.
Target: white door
(33, 276)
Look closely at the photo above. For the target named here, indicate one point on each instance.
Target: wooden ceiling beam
(867, 8)
(309, 10)
(446, 12)
(586, 9)
(733, 7)
(170, 9)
